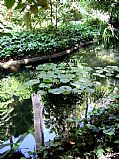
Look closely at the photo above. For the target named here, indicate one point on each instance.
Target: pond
(16, 113)
(98, 56)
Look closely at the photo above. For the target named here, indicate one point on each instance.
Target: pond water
(16, 116)
(97, 56)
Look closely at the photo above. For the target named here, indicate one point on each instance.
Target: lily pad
(76, 90)
(90, 90)
(32, 82)
(117, 76)
(45, 85)
(47, 80)
(61, 90)
(65, 89)
(41, 92)
(63, 80)
(55, 91)
(76, 84)
(41, 68)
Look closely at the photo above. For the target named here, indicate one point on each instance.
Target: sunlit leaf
(45, 85)
(109, 74)
(66, 88)
(116, 142)
(20, 5)
(47, 80)
(41, 92)
(76, 84)
(90, 90)
(100, 153)
(76, 90)
(63, 80)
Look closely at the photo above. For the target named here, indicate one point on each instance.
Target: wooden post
(86, 103)
(38, 120)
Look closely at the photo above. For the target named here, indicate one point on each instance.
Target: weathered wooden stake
(38, 120)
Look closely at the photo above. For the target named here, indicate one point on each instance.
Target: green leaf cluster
(63, 79)
(45, 42)
(10, 3)
(108, 71)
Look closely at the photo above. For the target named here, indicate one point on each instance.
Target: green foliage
(46, 42)
(109, 34)
(22, 12)
(14, 101)
(110, 8)
(20, 5)
(15, 87)
(102, 125)
(9, 3)
(105, 6)
(63, 79)
(92, 136)
(108, 71)
(34, 14)
(5, 27)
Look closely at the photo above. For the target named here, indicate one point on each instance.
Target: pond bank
(16, 65)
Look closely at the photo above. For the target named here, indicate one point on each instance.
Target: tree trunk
(51, 12)
(56, 13)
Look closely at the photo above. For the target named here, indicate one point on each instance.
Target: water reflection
(97, 55)
(57, 107)
(18, 119)
(57, 110)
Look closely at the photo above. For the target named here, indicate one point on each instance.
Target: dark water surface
(18, 127)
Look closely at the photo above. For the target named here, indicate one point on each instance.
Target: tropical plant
(109, 34)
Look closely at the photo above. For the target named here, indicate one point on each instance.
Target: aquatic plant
(62, 79)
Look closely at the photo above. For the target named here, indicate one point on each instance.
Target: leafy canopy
(21, 5)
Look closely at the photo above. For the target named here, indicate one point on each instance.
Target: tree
(108, 6)
(34, 11)
(29, 8)
(23, 3)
